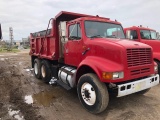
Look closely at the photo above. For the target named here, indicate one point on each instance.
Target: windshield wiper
(96, 36)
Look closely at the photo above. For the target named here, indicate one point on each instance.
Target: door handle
(83, 53)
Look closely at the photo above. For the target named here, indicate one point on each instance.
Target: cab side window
(75, 32)
(134, 34)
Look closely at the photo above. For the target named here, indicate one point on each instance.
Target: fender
(99, 65)
(156, 55)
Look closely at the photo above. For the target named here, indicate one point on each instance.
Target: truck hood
(113, 49)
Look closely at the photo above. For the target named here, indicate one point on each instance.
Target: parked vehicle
(91, 54)
(147, 36)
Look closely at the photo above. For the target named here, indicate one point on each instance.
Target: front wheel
(92, 93)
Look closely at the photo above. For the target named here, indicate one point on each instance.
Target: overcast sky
(27, 16)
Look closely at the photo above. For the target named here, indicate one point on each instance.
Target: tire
(46, 71)
(37, 70)
(143, 91)
(89, 84)
(158, 63)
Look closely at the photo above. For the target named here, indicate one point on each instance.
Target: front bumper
(136, 86)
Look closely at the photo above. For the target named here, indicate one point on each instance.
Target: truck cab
(90, 53)
(147, 36)
(87, 35)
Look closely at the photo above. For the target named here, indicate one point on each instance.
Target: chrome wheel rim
(36, 68)
(88, 94)
(43, 71)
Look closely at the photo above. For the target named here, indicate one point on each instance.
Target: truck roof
(142, 28)
(96, 18)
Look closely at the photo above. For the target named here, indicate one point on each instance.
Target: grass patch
(4, 50)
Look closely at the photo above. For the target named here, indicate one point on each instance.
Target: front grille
(140, 71)
(138, 56)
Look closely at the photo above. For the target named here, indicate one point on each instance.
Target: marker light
(112, 75)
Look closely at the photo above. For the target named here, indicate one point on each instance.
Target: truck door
(73, 47)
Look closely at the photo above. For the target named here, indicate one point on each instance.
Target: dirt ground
(23, 97)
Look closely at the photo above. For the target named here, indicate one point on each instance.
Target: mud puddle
(44, 98)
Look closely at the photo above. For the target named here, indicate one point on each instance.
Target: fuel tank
(67, 75)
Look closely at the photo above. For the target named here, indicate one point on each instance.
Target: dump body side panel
(47, 50)
(44, 43)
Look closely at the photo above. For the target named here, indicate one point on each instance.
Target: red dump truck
(147, 36)
(90, 53)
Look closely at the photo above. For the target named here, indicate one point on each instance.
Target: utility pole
(11, 37)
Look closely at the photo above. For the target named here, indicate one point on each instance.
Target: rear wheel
(92, 93)
(143, 91)
(46, 71)
(37, 70)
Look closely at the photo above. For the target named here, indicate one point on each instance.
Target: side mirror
(128, 35)
(158, 36)
(0, 32)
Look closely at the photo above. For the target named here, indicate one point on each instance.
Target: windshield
(148, 34)
(103, 29)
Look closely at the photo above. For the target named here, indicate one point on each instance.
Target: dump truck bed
(45, 44)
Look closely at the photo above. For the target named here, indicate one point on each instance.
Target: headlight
(156, 68)
(112, 75)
